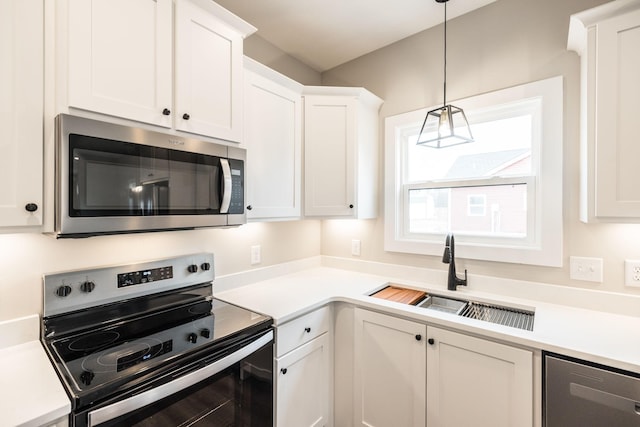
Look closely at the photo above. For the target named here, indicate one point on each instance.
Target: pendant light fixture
(445, 126)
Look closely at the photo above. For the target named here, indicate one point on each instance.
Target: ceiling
(326, 33)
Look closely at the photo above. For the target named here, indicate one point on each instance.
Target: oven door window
(239, 396)
(113, 178)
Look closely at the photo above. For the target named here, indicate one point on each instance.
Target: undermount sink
(448, 305)
(506, 316)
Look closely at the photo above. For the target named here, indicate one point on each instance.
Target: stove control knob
(206, 333)
(63, 290)
(192, 268)
(87, 286)
(205, 266)
(192, 338)
(86, 377)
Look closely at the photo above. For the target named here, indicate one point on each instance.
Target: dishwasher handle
(611, 400)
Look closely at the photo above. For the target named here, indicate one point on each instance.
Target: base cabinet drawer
(302, 330)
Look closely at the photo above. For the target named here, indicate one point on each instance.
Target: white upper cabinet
(209, 68)
(21, 112)
(120, 58)
(340, 152)
(273, 138)
(607, 39)
(121, 62)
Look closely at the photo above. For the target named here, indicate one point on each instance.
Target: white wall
(506, 43)
(26, 257)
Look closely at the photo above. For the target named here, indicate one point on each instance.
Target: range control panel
(145, 276)
(80, 289)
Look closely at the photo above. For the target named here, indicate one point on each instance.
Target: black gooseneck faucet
(449, 258)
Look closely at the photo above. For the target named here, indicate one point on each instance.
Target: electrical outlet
(631, 272)
(355, 247)
(255, 255)
(587, 269)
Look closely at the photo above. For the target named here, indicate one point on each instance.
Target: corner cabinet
(304, 371)
(21, 113)
(340, 152)
(472, 381)
(273, 139)
(607, 39)
(132, 72)
(389, 371)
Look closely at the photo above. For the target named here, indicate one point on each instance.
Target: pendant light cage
(448, 125)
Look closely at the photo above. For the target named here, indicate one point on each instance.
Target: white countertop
(596, 336)
(31, 393)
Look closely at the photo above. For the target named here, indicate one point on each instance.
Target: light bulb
(444, 127)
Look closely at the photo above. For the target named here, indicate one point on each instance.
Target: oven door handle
(155, 394)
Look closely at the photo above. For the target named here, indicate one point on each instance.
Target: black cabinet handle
(284, 371)
(418, 337)
(166, 112)
(186, 116)
(31, 207)
(249, 207)
(431, 341)
(350, 206)
(307, 330)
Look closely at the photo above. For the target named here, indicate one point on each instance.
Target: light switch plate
(587, 269)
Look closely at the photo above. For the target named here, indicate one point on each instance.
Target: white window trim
(545, 246)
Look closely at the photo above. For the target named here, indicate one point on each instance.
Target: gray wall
(506, 43)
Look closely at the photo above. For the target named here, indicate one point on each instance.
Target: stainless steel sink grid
(512, 317)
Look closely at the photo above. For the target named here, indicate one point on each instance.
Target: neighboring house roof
(485, 164)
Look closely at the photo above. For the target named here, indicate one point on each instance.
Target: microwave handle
(227, 184)
(137, 401)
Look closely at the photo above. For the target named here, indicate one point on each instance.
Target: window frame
(543, 245)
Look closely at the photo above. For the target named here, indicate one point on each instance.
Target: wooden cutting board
(397, 294)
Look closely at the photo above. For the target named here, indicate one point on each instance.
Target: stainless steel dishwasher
(579, 394)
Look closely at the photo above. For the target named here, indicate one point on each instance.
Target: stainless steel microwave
(117, 179)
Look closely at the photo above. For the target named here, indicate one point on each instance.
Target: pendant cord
(445, 53)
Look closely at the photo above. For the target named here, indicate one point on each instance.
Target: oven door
(236, 390)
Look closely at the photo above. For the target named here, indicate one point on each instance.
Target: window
(500, 195)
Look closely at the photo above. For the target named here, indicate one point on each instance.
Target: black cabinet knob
(307, 330)
(284, 371)
(431, 341)
(192, 268)
(418, 337)
(350, 206)
(192, 338)
(87, 286)
(31, 207)
(166, 112)
(186, 116)
(249, 207)
(63, 291)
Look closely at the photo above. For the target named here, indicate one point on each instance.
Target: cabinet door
(390, 377)
(617, 89)
(21, 111)
(120, 58)
(329, 144)
(471, 381)
(302, 396)
(273, 137)
(208, 74)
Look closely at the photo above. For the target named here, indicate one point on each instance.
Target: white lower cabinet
(472, 381)
(389, 371)
(304, 371)
(303, 385)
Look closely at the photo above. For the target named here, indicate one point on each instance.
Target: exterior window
(501, 195)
